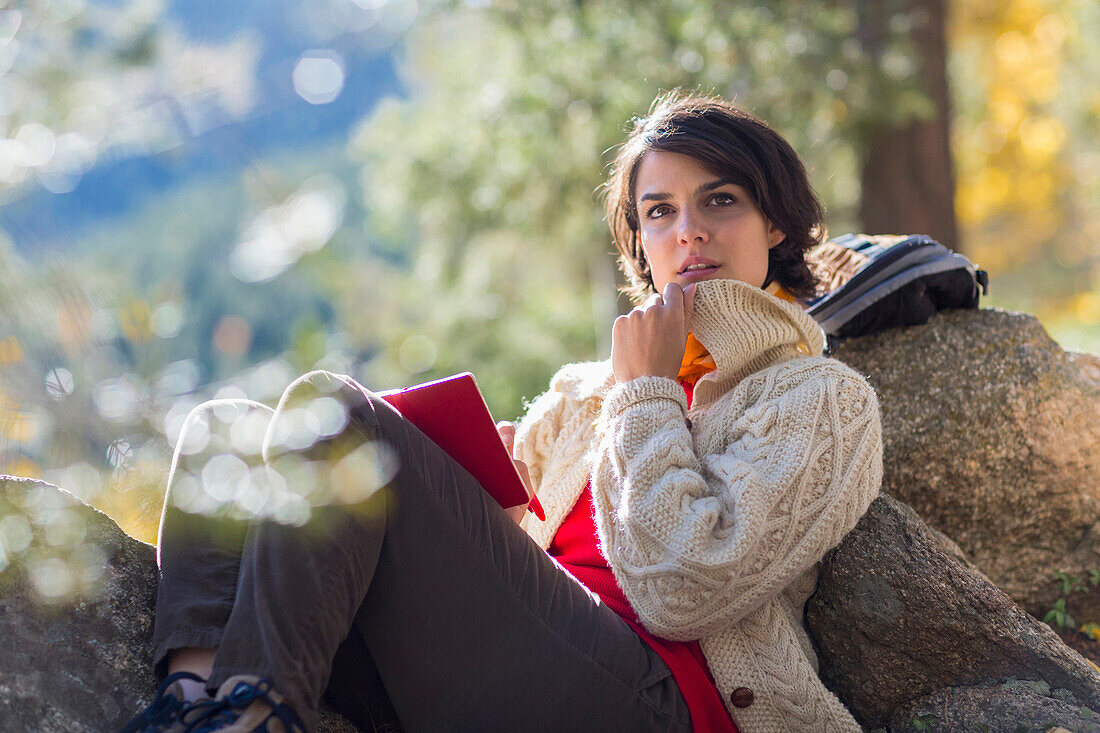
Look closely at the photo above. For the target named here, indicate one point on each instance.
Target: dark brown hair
(737, 146)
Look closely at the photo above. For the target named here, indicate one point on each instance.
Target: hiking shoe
(245, 704)
(167, 713)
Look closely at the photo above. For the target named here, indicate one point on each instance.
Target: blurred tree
(485, 247)
(907, 178)
(1027, 124)
(79, 79)
(66, 354)
(483, 179)
(103, 354)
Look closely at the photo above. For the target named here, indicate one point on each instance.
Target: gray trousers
(419, 601)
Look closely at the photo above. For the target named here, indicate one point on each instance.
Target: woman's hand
(649, 341)
(507, 432)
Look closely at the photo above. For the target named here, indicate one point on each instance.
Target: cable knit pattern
(713, 533)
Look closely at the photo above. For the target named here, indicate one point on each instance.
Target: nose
(692, 228)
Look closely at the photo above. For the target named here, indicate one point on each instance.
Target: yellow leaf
(23, 467)
(10, 350)
(1042, 137)
(19, 427)
(1087, 309)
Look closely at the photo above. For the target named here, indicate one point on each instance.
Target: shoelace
(204, 714)
(226, 710)
(162, 712)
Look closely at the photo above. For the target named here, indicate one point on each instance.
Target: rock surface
(1022, 705)
(992, 433)
(71, 666)
(898, 622)
(76, 615)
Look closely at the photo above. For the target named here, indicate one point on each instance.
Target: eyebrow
(702, 189)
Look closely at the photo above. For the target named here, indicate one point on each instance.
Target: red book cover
(453, 414)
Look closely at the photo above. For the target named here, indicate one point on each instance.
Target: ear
(775, 236)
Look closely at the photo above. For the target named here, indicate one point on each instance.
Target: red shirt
(576, 548)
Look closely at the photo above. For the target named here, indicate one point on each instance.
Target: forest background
(204, 199)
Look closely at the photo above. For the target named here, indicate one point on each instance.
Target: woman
(689, 493)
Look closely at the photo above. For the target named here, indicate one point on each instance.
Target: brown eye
(724, 199)
(657, 211)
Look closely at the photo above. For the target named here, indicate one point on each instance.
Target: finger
(674, 295)
(507, 432)
(689, 303)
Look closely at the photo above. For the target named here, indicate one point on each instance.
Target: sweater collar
(747, 329)
(744, 328)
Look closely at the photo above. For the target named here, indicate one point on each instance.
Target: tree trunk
(907, 178)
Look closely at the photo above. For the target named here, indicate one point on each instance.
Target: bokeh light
(281, 235)
(400, 191)
(319, 76)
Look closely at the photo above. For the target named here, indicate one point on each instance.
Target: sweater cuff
(642, 389)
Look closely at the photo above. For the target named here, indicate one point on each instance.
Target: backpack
(873, 283)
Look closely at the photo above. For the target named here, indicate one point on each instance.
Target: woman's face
(695, 226)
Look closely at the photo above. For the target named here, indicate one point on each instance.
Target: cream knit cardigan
(713, 527)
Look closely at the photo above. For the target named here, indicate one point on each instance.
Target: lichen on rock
(991, 432)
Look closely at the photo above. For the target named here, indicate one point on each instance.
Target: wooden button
(741, 697)
(687, 423)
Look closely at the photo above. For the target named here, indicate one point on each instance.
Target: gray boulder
(70, 665)
(992, 433)
(904, 631)
(76, 615)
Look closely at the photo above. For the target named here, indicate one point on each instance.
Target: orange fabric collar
(696, 362)
(780, 292)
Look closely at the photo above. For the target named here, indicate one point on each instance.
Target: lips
(697, 264)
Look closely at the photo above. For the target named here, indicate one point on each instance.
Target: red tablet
(452, 412)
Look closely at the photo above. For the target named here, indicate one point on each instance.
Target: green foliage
(1058, 617)
(102, 352)
(927, 721)
(1068, 584)
(483, 246)
(80, 78)
(483, 180)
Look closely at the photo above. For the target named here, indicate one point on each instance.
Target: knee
(222, 434)
(314, 408)
(318, 383)
(326, 430)
(222, 426)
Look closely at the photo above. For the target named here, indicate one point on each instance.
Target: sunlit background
(202, 198)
